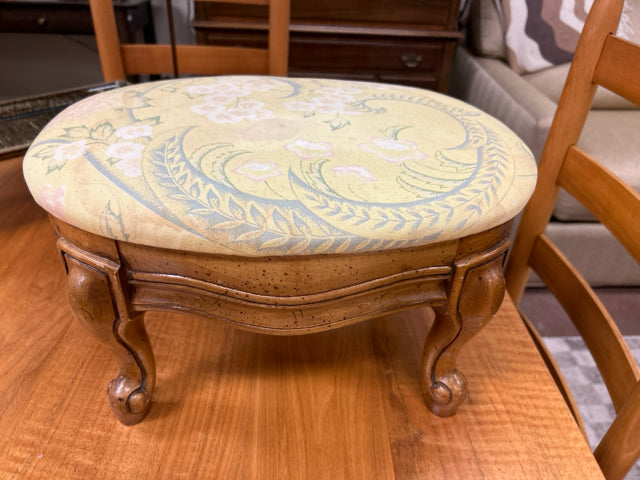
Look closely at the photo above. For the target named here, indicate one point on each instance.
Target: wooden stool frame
(111, 284)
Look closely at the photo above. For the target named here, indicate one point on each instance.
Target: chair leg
(94, 297)
(476, 294)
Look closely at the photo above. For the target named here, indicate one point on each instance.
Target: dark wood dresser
(68, 17)
(408, 42)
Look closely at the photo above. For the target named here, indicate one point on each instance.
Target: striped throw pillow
(543, 33)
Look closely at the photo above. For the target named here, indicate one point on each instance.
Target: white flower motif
(70, 151)
(330, 109)
(251, 110)
(130, 132)
(225, 117)
(393, 151)
(345, 93)
(253, 105)
(324, 104)
(232, 86)
(307, 149)
(298, 106)
(262, 114)
(258, 84)
(220, 98)
(130, 167)
(52, 199)
(246, 110)
(125, 151)
(259, 171)
(207, 108)
(222, 90)
(203, 89)
(362, 172)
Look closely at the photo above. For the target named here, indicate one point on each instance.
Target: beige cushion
(490, 85)
(550, 81)
(487, 29)
(612, 138)
(582, 243)
(264, 166)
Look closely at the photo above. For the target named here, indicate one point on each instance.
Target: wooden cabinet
(409, 42)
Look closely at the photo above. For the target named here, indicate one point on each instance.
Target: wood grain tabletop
(343, 404)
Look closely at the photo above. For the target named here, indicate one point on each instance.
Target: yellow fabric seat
(262, 166)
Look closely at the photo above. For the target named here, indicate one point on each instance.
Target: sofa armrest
(489, 84)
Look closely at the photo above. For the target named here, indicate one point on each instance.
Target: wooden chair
(601, 58)
(119, 60)
(285, 206)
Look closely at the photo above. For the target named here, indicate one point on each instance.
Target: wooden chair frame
(119, 60)
(601, 58)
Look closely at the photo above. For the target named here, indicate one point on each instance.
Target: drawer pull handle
(42, 21)
(411, 60)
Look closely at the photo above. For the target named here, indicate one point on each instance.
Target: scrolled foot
(129, 401)
(444, 395)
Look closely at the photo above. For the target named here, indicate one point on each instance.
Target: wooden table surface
(344, 404)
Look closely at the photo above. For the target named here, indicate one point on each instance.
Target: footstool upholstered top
(263, 166)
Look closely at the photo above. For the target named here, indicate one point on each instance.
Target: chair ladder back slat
(619, 68)
(106, 31)
(193, 59)
(603, 338)
(146, 59)
(215, 60)
(620, 447)
(614, 203)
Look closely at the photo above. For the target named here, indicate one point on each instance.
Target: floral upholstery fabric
(264, 166)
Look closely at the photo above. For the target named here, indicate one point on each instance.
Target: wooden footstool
(286, 206)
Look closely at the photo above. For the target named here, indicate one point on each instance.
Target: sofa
(489, 72)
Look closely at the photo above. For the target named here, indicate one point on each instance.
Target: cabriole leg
(476, 294)
(94, 300)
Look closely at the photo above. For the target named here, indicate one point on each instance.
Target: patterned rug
(587, 386)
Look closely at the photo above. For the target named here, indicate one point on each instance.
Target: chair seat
(262, 166)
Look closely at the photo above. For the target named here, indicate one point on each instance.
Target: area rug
(587, 386)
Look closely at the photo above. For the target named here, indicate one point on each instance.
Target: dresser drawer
(364, 54)
(43, 18)
(436, 13)
(375, 58)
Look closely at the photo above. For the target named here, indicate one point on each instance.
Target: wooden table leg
(97, 301)
(477, 290)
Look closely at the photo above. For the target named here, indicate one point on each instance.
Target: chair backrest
(119, 60)
(601, 58)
